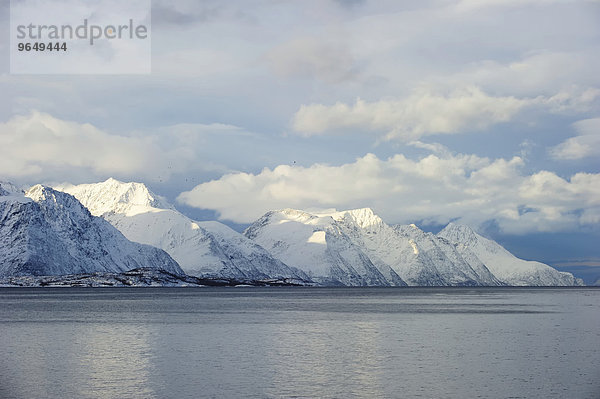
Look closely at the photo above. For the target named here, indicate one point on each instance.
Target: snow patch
(318, 237)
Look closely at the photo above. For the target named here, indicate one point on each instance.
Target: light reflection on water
(291, 342)
(113, 359)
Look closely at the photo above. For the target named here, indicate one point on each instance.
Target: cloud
(434, 148)
(426, 113)
(350, 3)
(39, 146)
(421, 114)
(30, 144)
(433, 189)
(470, 5)
(573, 100)
(586, 144)
(168, 14)
(312, 57)
(536, 73)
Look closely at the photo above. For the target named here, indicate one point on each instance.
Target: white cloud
(421, 114)
(586, 144)
(426, 113)
(571, 100)
(536, 73)
(577, 148)
(30, 144)
(434, 148)
(39, 146)
(434, 189)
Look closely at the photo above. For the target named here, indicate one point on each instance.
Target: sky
(480, 112)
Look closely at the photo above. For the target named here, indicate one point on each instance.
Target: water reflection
(80, 360)
(318, 358)
(258, 343)
(114, 360)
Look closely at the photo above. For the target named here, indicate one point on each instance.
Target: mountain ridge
(503, 264)
(415, 257)
(48, 232)
(351, 247)
(204, 249)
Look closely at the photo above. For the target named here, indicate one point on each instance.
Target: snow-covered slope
(411, 253)
(438, 256)
(386, 249)
(504, 265)
(200, 248)
(357, 248)
(47, 232)
(7, 188)
(354, 248)
(316, 245)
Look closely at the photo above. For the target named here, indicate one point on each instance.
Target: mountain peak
(408, 230)
(294, 212)
(51, 233)
(37, 192)
(42, 193)
(458, 231)
(363, 217)
(364, 213)
(58, 200)
(113, 195)
(289, 214)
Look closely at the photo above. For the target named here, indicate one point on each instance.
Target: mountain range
(357, 248)
(49, 232)
(113, 220)
(204, 249)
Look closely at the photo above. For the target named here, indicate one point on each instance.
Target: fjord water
(299, 342)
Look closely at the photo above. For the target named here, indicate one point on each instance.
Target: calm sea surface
(299, 342)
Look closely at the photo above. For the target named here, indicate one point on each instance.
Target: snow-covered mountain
(435, 255)
(504, 265)
(319, 246)
(48, 232)
(200, 248)
(357, 248)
